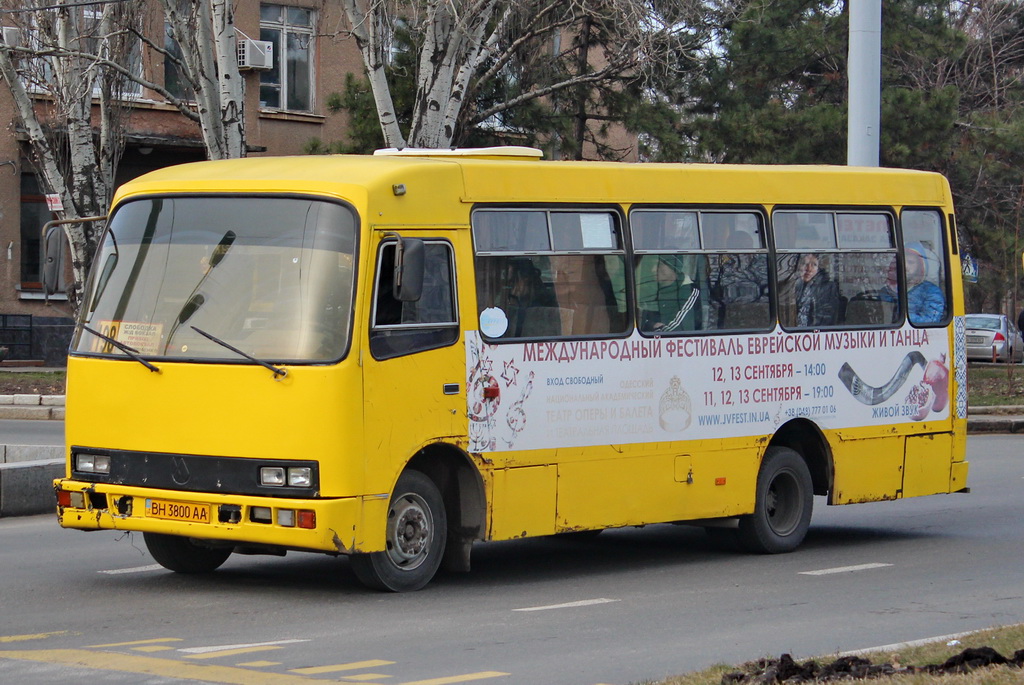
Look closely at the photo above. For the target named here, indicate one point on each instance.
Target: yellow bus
(392, 357)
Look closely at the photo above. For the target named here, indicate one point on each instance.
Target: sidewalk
(996, 419)
(27, 471)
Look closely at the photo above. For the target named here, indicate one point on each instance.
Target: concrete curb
(26, 478)
(996, 424)
(26, 487)
(42, 407)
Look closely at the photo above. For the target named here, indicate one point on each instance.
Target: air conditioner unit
(12, 36)
(255, 54)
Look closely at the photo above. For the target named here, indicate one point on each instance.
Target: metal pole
(864, 74)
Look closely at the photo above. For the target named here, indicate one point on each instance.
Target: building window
(289, 85)
(175, 78)
(95, 42)
(33, 215)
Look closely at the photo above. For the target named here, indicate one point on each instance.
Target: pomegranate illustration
(936, 376)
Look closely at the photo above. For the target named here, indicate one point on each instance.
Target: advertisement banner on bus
(578, 393)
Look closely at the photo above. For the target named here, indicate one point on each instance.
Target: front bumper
(240, 519)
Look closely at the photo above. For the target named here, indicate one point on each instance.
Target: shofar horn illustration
(870, 395)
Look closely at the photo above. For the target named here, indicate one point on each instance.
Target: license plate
(976, 340)
(178, 511)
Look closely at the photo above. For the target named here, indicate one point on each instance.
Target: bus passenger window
(836, 268)
(700, 270)
(925, 271)
(568, 279)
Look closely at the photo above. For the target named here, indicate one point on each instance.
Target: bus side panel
(653, 488)
(523, 502)
(927, 467)
(618, 492)
(868, 470)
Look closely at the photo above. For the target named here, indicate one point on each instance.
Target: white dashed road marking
(843, 569)
(571, 605)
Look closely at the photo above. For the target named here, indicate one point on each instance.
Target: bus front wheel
(415, 538)
(782, 509)
(181, 555)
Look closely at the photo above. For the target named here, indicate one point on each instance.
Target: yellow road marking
(316, 670)
(167, 668)
(363, 677)
(36, 636)
(259, 664)
(136, 642)
(468, 677)
(231, 652)
(152, 648)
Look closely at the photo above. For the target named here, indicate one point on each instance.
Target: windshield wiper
(130, 351)
(278, 371)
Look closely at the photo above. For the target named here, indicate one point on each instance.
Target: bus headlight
(300, 476)
(92, 463)
(293, 476)
(271, 475)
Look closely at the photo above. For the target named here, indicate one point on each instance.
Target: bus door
(414, 374)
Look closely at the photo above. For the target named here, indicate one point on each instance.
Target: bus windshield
(270, 276)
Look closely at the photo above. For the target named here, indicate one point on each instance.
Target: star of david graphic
(510, 374)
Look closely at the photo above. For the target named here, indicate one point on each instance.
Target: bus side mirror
(409, 266)
(53, 260)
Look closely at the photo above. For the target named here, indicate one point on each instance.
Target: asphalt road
(31, 432)
(622, 607)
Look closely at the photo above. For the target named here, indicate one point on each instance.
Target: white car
(993, 336)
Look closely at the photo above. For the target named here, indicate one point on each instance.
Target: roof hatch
(496, 152)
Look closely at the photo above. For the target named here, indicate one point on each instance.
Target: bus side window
(400, 328)
(836, 268)
(549, 273)
(926, 272)
(700, 270)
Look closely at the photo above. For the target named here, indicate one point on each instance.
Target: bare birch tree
(72, 75)
(205, 32)
(54, 74)
(465, 44)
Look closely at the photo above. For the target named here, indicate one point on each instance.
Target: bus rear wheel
(181, 555)
(782, 509)
(415, 538)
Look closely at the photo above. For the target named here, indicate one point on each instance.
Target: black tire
(782, 509)
(181, 555)
(417, 528)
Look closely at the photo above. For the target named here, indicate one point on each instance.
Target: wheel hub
(410, 530)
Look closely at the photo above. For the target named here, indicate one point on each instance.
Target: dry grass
(991, 385)
(32, 382)
(1005, 640)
